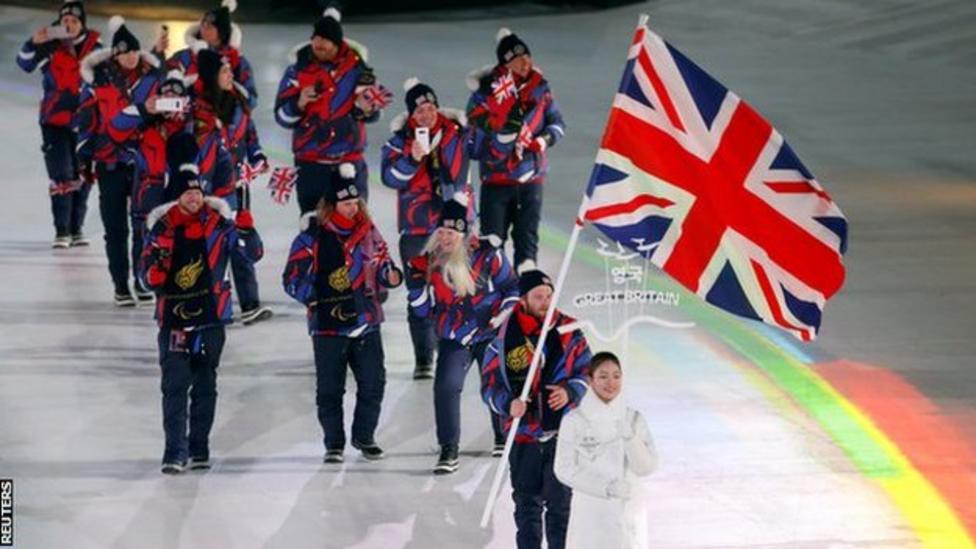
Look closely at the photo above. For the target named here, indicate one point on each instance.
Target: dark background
(303, 10)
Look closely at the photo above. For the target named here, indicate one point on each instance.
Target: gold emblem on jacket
(339, 279)
(188, 275)
(518, 359)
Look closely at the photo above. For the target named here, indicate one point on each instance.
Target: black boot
(448, 461)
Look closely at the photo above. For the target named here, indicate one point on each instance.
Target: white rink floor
(886, 123)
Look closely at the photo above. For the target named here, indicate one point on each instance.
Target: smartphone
(171, 104)
(422, 135)
(57, 32)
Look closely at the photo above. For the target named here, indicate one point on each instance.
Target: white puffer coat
(602, 445)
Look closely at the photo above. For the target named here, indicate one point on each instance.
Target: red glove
(418, 266)
(156, 276)
(245, 221)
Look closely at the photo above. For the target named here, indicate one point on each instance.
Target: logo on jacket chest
(589, 443)
(339, 279)
(188, 275)
(519, 358)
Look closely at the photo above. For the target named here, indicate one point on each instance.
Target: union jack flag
(690, 174)
(282, 182)
(377, 96)
(504, 88)
(249, 173)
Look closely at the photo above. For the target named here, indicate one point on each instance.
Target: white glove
(626, 426)
(620, 489)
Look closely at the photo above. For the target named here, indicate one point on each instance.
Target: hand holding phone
(309, 94)
(422, 135)
(171, 104)
(57, 32)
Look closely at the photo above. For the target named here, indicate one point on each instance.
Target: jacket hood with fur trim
(219, 204)
(306, 220)
(97, 57)
(477, 77)
(457, 115)
(474, 78)
(357, 47)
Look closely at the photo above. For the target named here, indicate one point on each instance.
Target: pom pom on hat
(332, 12)
(327, 26)
(115, 23)
(123, 41)
(410, 82)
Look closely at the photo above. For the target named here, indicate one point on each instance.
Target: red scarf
(357, 228)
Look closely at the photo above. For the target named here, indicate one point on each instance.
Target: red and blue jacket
(185, 60)
(566, 356)
(146, 136)
(222, 147)
(331, 129)
(467, 319)
(423, 187)
(241, 140)
(535, 114)
(60, 63)
(107, 91)
(221, 240)
(362, 270)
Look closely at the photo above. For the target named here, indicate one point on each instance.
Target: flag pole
(533, 368)
(537, 354)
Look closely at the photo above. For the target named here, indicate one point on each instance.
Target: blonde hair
(456, 267)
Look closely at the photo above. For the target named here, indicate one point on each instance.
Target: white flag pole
(537, 355)
(533, 368)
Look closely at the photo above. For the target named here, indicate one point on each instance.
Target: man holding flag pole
(733, 215)
(558, 389)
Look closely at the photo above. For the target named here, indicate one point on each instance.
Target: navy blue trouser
(515, 207)
(189, 382)
(315, 179)
(114, 188)
(537, 492)
(245, 278)
(364, 356)
(453, 362)
(421, 327)
(69, 197)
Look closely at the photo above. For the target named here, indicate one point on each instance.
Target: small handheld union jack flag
(377, 96)
(282, 182)
(503, 88)
(249, 173)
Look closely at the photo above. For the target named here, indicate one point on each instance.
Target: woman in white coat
(603, 448)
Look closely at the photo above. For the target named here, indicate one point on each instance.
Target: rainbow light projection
(890, 431)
